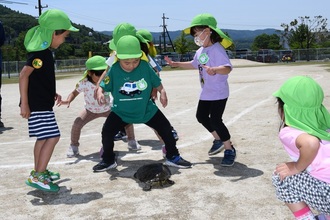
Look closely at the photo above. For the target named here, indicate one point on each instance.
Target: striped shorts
(303, 187)
(43, 125)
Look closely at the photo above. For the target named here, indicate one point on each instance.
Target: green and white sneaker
(40, 181)
(53, 176)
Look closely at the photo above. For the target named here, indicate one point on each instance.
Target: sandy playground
(206, 191)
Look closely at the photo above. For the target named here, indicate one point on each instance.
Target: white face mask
(198, 41)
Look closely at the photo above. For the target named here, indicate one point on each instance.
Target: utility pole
(40, 7)
(168, 35)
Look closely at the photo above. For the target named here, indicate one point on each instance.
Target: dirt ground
(206, 191)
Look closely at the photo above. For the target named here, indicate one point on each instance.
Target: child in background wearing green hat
(95, 67)
(304, 182)
(130, 81)
(151, 53)
(213, 66)
(37, 87)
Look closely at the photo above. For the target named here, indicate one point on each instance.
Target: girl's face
(94, 76)
(129, 64)
(59, 39)
(202, 37)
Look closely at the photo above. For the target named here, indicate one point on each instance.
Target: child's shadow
(2, 129)
(63, 196)
(239, 170)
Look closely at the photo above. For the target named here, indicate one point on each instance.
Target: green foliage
(306, 32)
(265, 41)
(17, 24)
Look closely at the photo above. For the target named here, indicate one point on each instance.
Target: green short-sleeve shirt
(131, 92)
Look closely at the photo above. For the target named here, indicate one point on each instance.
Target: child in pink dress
(304, 182)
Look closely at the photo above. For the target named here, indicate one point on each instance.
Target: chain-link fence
(12, 68)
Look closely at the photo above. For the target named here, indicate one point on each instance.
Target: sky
(104, 15)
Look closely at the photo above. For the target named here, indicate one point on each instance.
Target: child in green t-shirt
(130, 82)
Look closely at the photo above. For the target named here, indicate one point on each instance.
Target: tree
(265, 41)
(184, 44)
(306, 32)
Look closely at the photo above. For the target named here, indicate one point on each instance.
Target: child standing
(214, 66)
(305, 135)
(95, 67)
(37, 87)
(130, 81)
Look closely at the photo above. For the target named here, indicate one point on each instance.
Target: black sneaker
(175, 134)
(120, 136)
(229, 158)
(216, 147)
(103, 166)
(178, 161)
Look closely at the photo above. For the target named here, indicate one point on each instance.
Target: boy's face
(129, 64)
(59, 39)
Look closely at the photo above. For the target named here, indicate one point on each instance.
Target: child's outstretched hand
(64, 102)
(168, 60)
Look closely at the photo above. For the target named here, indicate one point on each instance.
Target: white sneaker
(133, 145)
(72, 151)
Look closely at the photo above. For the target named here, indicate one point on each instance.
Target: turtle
(154, 174)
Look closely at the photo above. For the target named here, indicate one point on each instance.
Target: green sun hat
(95, 63)
(128, 47)
(40, 37)
(303, 108)
(145, 34)
(123, 29)
(208, 20)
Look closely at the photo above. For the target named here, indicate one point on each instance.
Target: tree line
(302, 33)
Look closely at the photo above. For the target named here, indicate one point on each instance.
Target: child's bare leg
(129, 129)
(43, 152)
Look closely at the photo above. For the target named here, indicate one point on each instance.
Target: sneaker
(164, 151)
(39, 181)
(103, 166)
(175, 134)
(216, 147)
(133, 145)
(229, 158)
(72, 151)
(1, 124)
(120, 136)
(178, 161)
(53, 176)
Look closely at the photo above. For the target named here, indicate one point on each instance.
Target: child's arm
(308, 146)
(100, 96)
(97, 86)
(23, 90)
(163, 96)
(70, 98)
(224, 70)
(185, 65)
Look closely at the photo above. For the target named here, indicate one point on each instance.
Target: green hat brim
(129, 56)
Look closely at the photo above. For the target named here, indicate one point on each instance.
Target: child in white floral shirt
(95, 67)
